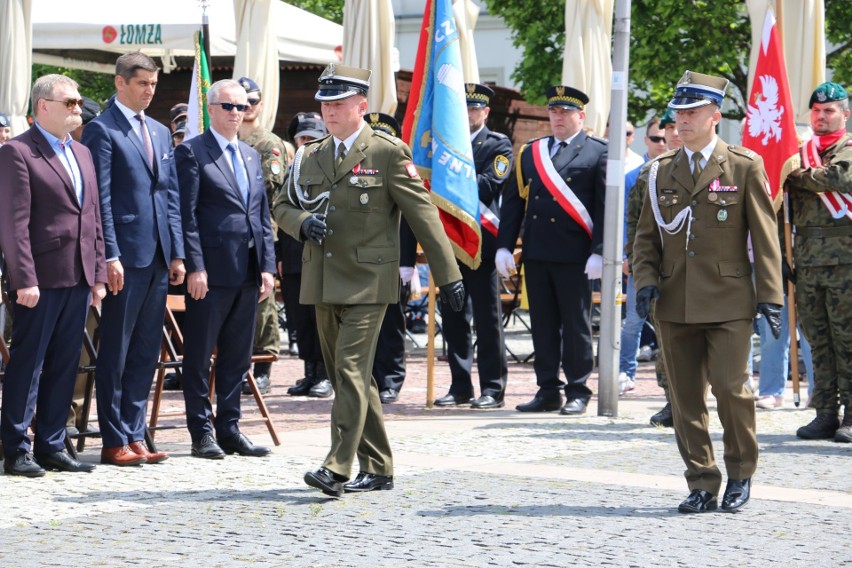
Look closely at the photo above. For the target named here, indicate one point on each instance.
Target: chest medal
(364, 199)
(722, 215)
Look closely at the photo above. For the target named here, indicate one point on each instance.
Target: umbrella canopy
(163, 28)
(465, 14)
(257, 52)
(586, 63)
(368, 32)
(16, 63)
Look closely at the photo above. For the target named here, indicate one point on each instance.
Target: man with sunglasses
(50, 235)
(144, 250)
(230, 261)
(273, 158)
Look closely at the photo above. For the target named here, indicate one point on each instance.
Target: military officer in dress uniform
(691, 252)
(344, 197)
(389, 364)
(819, 206)
(558, 192)
(492, 155)
(273, 157)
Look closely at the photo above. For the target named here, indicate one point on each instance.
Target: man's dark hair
(128, 64)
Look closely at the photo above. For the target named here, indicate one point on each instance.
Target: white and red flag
(770, 126)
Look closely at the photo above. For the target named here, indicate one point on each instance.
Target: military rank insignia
(501, 166)
(411, 170)
(275, 167)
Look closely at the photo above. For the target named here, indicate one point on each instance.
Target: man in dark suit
(492, 155)
(230, 262)
(558, 192)
(50, 235)
(144, 251)
(363, 180)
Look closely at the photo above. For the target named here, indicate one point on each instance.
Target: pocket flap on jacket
(734, 269)
(378, 255)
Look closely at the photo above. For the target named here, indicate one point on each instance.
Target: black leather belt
(824, 231)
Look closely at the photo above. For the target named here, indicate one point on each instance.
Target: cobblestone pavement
(493, 488)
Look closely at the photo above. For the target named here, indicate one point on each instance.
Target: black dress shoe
(301, 388)
(326, 481)
(574, 407)
(239, 444)
(61, 461)
(207, 448)
(736, 494)
(542, 402)
(663, 417)
(485, 402)
(171, 382)
(23, 464)
(321, 390)
(453, 400)
(369, 482)
(388, 395)
(699, 501)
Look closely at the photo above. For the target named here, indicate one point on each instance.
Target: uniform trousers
(348, 336)
(482, 307)
(714, 353)
(45, 351)
(822, 299)
(560, 298)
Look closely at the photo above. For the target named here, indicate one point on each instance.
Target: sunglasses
(69, 103)
(228, 107)
(657, 139)
(253, 102)
(629, 133)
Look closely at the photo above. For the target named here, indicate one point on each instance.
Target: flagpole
(205, 34)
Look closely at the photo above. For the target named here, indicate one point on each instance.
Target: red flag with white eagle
(770, 126)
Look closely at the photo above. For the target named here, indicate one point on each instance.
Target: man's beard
(73, 122)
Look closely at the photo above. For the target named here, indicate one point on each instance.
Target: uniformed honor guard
(820, 202)
(273, 157)
(558, 191)
(344, 196)
(492, 155)
(691, 252)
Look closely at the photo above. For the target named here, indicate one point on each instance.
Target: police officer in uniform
(823, 259)
(389, 364)
(691, 253)
(558, 192)
(492, 155)
(344, 197)
(273, 157)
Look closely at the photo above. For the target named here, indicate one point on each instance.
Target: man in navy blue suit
(230, 262)
(144, 252)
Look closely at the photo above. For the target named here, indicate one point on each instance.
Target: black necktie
(561, 146)
(146, 140)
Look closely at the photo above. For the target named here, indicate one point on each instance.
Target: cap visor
(683, 103)
(310, 134)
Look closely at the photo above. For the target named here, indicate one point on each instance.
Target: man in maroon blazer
(50, 236)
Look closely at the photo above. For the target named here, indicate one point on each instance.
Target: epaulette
(740, 151)
(497, 135)
(531, 140)
(603, 141)
(393, 139)
(667, 154)
(314, 145)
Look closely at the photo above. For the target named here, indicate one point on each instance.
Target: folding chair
(172, 358)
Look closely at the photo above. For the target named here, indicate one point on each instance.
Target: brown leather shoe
(121, 456)
(140, 449)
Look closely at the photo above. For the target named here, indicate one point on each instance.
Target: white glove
(594, 267)
(505, 262)
(406, 273)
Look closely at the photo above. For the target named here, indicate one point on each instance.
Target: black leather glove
(314, 230)
(452, 294)
(772, 313)
(643, 300)
(787, 273)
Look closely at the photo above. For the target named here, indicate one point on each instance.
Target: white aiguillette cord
(305, 203)
(681, 219)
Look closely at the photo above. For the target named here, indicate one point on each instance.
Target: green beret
(828, 93)
(668, 118)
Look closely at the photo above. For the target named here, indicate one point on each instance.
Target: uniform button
(379, 259)
(535, 216)
(331, 209)
(330, 232)
(554, 199)
(552, 220)
(568, 180)
(328, 254)
(738, 272)
(334, 186)
(691, 236)
(691, 253)
(694, 203)
(537, 196)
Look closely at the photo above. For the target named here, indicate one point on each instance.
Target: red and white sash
(838, 204)
(489, 221)
(558, 188)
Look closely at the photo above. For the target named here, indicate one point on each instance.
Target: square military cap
(566, 97)
(339, 82)
(697, 90)
(478, 95)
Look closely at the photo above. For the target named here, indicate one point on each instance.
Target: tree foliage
(666, 38)
(328, 9)
(97, 86)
